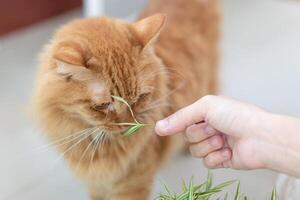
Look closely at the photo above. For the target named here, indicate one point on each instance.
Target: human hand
(230, 133)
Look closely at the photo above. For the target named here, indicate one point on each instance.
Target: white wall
(115, 8)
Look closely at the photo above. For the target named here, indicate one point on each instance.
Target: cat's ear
(69, 62)
(148, 29)
(69, 52)
(73, 71)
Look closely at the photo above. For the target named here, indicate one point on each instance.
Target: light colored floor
(260, 64)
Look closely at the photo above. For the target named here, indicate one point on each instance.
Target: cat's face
(93, 59)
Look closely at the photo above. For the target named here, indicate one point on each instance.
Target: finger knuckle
(217, 141)
(192, 137)
(207, 98)
(226, 165)
(178, 115)
(189, 130)
(196, 152)
(208, 162)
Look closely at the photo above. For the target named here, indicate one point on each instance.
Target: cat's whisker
(96, 145)
(168, 71)
(95, 149)
(175, 72)
(41, 178)
(75, 138)
(103, 140)
(106, 117)
(163, 98)
(87, 134)
(146, 116)
(158, 105)
(155, 72)
(145, 78)
(85, 151)
(62, 141)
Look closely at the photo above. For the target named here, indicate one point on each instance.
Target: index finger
(181, 119)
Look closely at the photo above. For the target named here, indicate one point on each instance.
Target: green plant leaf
(132, 130)
(225, 184)
(200, 187)
(134, 126)
(274, 194)
(184, 187)
(237, 192)
(191, 189)
(194, 192)
(226, 196)
(167, 190)
(208, 193)
(208, 180)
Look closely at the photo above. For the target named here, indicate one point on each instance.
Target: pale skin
(228, 133)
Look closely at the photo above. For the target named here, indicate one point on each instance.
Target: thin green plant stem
(127, 104)
(135, 126)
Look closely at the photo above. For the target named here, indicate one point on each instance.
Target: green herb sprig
(206, 191)
(133, 126)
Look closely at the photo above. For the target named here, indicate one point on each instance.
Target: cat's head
(90, 60)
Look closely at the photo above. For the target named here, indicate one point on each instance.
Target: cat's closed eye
(101, 107)
(143, 96)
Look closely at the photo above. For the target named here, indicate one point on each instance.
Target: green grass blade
(208, 193)
(225, 184)
(226, 196)
(243, 197)
(237, 192)
(167, 191)
(274, 194)
(208, 181)
(184, 187)
(198, 192)
(191, 189)
(197, 195)
(199, 188)
(127, 104)
(185, 194)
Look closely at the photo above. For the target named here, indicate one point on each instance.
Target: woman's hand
(228, 133)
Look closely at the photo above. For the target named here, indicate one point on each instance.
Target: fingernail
(161, 126)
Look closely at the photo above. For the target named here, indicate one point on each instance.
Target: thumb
(181, 119)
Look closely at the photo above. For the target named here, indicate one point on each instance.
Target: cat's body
(91, 59)
(188, 44)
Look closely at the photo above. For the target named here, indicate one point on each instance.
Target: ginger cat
(158, 65)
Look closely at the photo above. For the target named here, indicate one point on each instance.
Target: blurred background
(260, 63)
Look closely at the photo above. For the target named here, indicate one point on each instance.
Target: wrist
(280, 136)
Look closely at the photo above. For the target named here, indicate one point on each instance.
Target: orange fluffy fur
(157, 65)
